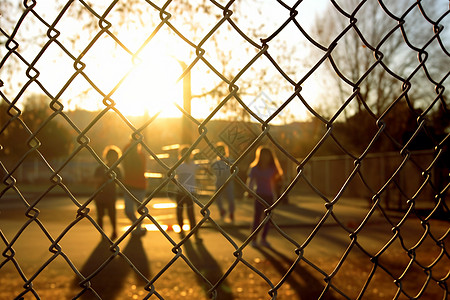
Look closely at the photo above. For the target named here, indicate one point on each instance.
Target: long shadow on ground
(205, 263)
(302, 283)
(110, 280)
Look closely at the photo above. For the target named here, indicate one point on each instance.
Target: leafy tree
(36, 118)
(55, 139)
(13, 136)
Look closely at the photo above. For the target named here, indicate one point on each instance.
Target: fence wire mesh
(388, 240)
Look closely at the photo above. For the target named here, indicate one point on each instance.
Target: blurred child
(221, 170)
(185, 174)
(134, 165)
(106, 198)
(265, 172)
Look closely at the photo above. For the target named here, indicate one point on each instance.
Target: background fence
(338, 98)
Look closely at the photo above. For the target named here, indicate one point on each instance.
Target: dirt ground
(332, 266)
(355, 275)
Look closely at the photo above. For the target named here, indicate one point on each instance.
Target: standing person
(134, 180)
(106, 198)
(185, 174)
(265, 171)
(221, 170)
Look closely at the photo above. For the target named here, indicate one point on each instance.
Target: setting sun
(151, 86)
(142, 77)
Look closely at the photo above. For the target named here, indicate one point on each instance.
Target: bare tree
(379, 48)
(384, 66)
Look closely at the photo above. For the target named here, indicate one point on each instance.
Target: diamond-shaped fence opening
(265, 150)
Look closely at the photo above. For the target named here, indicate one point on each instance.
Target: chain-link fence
(349, 97)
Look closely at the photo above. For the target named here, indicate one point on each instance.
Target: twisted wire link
(264, 134)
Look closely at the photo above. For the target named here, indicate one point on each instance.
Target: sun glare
(143, 83)
(151, 86)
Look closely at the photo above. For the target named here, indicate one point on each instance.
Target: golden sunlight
(151, 86)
